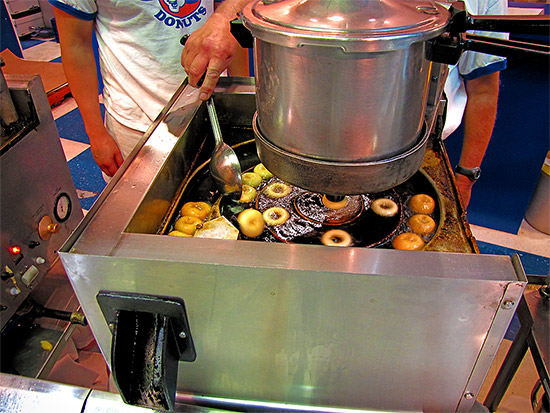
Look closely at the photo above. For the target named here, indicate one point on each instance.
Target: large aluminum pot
(342, 81)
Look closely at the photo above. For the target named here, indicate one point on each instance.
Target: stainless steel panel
(341, 178)
(103, 402)
(299, 328)
(21, 394)
(294, 324)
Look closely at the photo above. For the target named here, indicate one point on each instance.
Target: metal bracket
(151, 335)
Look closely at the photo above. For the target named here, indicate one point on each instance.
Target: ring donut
(334, 204)
(422, 224)
(385, 207)
(408, 241)
(252, 179)
(275, 216)
(277, 190)
(336, 238)
(422, 204)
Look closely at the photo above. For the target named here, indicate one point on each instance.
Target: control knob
(47, 227)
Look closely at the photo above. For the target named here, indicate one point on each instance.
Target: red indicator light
(15, 249)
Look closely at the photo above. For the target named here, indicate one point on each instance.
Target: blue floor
(87, 176)
(532, 264)
(25, 44)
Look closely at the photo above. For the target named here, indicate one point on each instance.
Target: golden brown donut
(248, 194)
(179, 234)
(422, 224)
(275, 216)
(336, 238)
(252, 179)
(251, 222)
(334, 204)
(408, 241)
(385, 207)
(277, 190)
(261, 170)
(188, 224)
(422, 204)
(196, 209)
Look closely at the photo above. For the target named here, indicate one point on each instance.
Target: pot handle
(506, 48)
(510, 24)
(448, 47)
(461, 21)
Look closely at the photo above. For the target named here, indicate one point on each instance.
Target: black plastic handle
(461, 21)
(448, 47)
(510, 24)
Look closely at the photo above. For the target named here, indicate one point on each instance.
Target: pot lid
(350, 20)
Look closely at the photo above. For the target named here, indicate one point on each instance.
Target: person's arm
(211, 47)
(75, 38)
(479, 121)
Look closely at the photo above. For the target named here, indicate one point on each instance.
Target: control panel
(38, 201)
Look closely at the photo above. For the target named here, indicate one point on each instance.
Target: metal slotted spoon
(224, 164)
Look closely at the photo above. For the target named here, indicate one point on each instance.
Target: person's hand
(464, 186)
(106, 152)
(210, 49)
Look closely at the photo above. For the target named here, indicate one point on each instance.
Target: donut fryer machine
(240, 324)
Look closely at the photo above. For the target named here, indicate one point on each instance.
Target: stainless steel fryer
(275, 325)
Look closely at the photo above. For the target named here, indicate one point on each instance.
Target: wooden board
(52, 74)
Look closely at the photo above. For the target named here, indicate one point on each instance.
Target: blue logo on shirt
(180, 8)
(180, 13)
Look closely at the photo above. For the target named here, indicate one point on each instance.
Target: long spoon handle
(214, 121)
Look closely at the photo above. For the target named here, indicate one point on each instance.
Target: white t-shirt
(139, 51)
(472, 64)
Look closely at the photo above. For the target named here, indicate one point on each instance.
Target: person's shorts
(125, 137)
